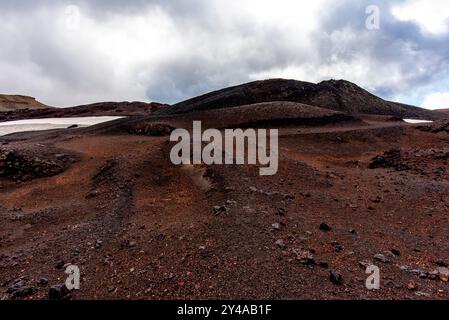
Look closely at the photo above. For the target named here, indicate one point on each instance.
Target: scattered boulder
(325, 227)
(422, 274)
(59, 264)
(337, 246)
(280, 243)
(412, 286)
(382, 258)
(153, 129)
(220, 210)
(23, 165)
(20, 289)
(396, 252)
(92, 194)
(390, 159)
(281, 212)
(276, 226)
(304, 256)
(335, 277)
(98, 244)
(58, 292)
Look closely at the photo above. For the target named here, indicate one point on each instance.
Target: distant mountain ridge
(446, 111)
(19, 102)
(338, 95)
(96, 109)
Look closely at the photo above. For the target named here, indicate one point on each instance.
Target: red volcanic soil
(347, 194)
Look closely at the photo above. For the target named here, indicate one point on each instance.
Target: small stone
(20, 289)
(304, 256)
(337, 246)
(382, 258)
(58, 292)
(281, 212)
(411, 286)
(396, 252)
(59, 264)
(335, 277)
(276, 226)
(420, 273)
(325, 227)
(443, 274)
(42, 281)
(98, 244)
(91, 194)
(220, 209)
(352, 231)
(280, 243)
(202, 248)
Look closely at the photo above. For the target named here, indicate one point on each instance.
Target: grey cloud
(222, 48)
(421, 59)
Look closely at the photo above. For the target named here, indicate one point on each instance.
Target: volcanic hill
(339, 95)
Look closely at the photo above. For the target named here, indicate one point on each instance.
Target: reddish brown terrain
(351, 190)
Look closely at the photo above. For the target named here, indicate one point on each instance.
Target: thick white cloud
(432, 16)
(437, 100)
(170, 50)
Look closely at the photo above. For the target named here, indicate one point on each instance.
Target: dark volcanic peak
(339, 95)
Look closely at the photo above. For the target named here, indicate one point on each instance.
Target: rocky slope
(339, 95)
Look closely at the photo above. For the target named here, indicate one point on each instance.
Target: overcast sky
(75, 52)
